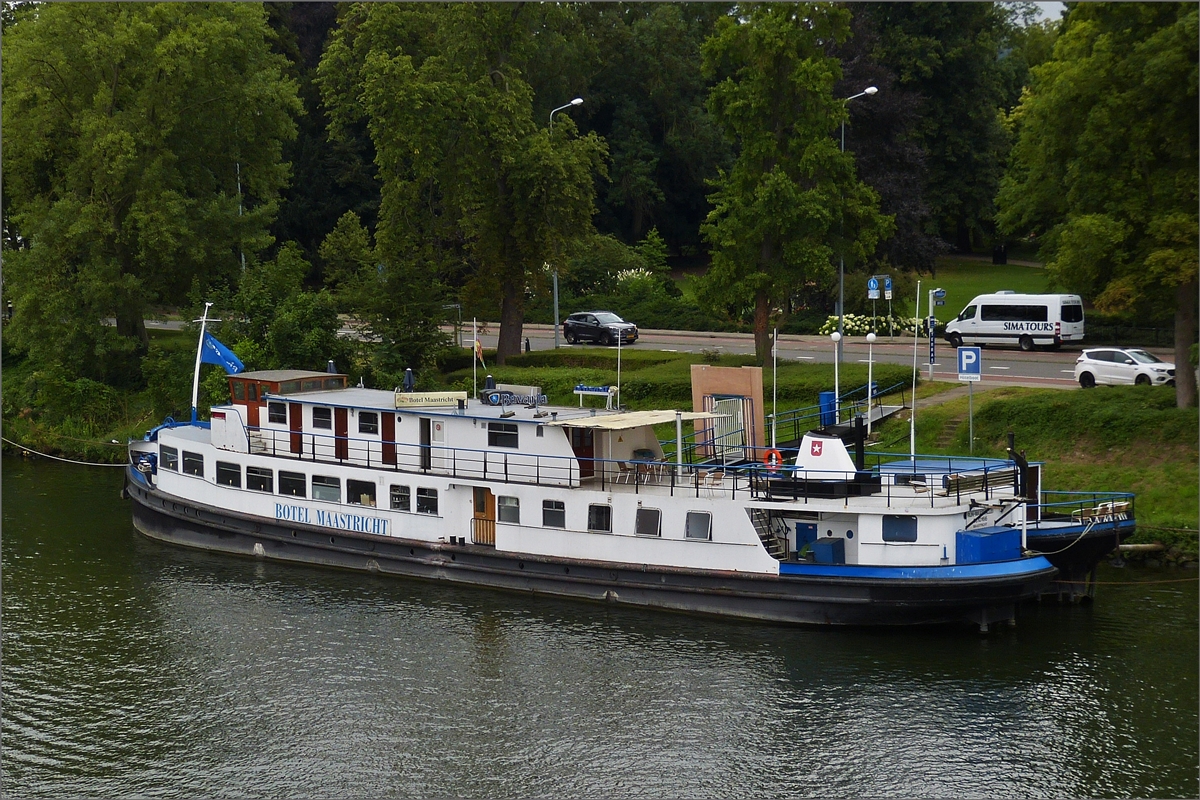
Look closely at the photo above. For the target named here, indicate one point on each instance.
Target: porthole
(566, 570)
(412, 552)
(331, 540)
(520, 565)
(454, 557)
(294, 534)
(829, 533)
(849, 534)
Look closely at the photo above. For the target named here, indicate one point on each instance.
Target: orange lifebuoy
(773, 459)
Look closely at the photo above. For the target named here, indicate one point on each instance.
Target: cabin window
(292, 483)
(326, 488)
(401, 501)
(260, 479)
(323, 418)
(541, 431)
(193, 464)
(252, 392)
(168, 458)
(898, 528)
(368, 422)
(229, 474)
(335, 383)
(502, 434)
(648, 522)
(600, 518)
(360, 493)
(239, 391)
(554, 514)
(277, 413)
(508, 509)
(289, 387)
(699, 525)
(427, 501)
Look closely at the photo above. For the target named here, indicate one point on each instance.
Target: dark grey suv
(598, 326)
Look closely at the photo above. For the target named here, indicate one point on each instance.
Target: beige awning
(631, 419)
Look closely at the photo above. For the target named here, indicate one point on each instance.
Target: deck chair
(714, 482)
(626, 473)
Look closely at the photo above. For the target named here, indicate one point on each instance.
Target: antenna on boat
(204, 320)
(912, 419)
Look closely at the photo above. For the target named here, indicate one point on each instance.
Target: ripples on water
(133, 668)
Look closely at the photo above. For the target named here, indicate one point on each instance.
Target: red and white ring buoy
(773, 459)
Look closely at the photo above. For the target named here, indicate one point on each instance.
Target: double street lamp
(841, 308)
(577, 101)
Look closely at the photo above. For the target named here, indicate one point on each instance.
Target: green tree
(142, 155)
(948, 57)
(468, 172)
(1104, 171)
(791, 202)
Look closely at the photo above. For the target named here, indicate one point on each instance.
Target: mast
(199, 352)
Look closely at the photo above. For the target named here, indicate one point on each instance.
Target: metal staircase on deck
(772, 532)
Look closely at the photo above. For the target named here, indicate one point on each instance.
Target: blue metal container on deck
(988, 544)
(827, 402)
(829, 551)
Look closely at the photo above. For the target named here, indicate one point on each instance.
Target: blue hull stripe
(997, 569)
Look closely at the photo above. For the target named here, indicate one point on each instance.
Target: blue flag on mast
(213, 352)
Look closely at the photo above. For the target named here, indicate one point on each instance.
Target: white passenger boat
(510, 493)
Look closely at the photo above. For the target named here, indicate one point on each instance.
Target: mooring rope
(57, 458)
(1132, 583)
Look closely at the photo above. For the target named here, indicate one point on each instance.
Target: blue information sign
(873, 289)
(887, 288)
(970, 363)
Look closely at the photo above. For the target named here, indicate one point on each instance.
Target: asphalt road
(1001, 365)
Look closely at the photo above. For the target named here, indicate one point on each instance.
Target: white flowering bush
(862, 324)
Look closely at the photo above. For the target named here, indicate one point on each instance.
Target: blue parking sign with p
(970, 363)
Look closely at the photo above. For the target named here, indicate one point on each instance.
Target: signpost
(937, 297)
(970, 369)
(887, 295)
(873, 296)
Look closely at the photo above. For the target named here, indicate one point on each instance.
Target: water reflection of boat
(584, 503)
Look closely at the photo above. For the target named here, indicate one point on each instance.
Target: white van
(1027, 320)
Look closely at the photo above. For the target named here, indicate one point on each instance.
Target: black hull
(1076, 558)
(790, 599)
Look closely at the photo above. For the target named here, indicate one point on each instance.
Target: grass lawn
(964, 279)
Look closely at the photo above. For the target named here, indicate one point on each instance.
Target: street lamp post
(841, 309)
(577, 101)
(870, 376)
(837, 389)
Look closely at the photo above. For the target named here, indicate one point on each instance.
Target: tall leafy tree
(791, 201)
(143, 155)
(469, 171)
(947, 56)
(646, 97)
(1104, 171)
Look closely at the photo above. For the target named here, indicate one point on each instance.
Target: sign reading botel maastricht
(970, 364)
(429, 399)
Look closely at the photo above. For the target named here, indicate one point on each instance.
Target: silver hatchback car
(1122, 365)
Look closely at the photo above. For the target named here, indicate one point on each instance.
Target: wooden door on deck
(296, 425)
(341, 429)
(583, 444)
(388, 429)
(483, 522)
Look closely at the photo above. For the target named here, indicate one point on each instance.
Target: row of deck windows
(647, 522)
(296, 484)
(500, 434)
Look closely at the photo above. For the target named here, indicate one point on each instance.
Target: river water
(136, 668)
